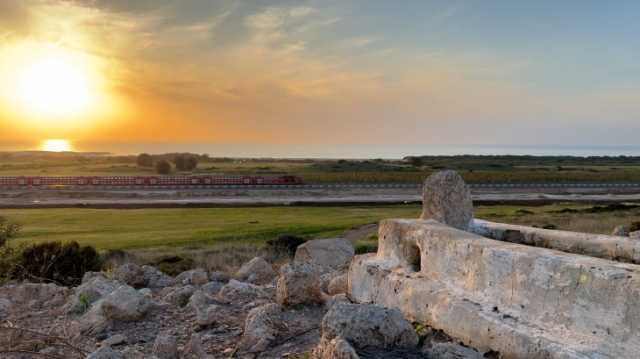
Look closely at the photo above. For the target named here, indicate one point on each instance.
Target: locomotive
(160, 181)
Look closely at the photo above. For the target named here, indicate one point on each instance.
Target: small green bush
(63, 263)
(8, 230)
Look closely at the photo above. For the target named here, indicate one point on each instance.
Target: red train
(199, 180)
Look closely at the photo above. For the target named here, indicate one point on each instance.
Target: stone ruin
(519, 292)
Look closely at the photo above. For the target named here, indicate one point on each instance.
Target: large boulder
(256, 271)
(240, 292)
(125, 304)
(446, 198)
(91, 290)
(261, 328)
(194, 277)
(299, 284)
(368, 325)
(336, 348)
(327, 254)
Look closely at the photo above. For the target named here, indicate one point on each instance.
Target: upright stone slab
(446, 198)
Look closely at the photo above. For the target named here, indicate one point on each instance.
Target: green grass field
(139, 229)
(224, 238)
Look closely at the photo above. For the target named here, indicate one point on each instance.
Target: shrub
(144, 160)
(185, 162)
(163, 167)
(63, 263)
(285, 244)
(9, 261)
(635, 226)
(8, 230)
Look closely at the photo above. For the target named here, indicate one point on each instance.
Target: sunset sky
(323, 73)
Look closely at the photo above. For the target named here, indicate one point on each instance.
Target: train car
(150, 181)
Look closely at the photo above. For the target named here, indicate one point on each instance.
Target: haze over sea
(344, 151)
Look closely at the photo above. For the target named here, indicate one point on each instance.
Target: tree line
(163, 164)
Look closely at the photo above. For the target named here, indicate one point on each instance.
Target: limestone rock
(154, 278)
(130, 274)
(450, 350)
(207, 312)
(179, 296)
(298, 284)
(194, 347)
(212, 288)
(105, 353)
(338, 285)
(634, 235)
(256, 271)
(241, 292)
(5, 308)
(621, 231)
(165, 346)
(194, 277)
(36, 296)
(91, 290)
(336, 348)
(218, 276)
(261, 328)
(447, 199)
(125, 304)
(368, 325)
(327, 254)
(114, 340)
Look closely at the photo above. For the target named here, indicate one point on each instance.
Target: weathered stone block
(521, 301)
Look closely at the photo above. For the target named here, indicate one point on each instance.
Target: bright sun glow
(56, 145)
(54, 85)
(48, 82)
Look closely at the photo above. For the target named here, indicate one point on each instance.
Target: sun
(54, 84)
(56, 145)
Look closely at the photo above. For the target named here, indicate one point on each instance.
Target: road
(305, 195)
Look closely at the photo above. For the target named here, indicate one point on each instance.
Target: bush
(8, 230)
(634, 227)
(63, 263)
(185, 162)
(144, 160)
(285, 244)
(163, 167)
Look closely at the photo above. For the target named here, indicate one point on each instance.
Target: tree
(8, 230)
(144, 160)
(415, 161)
(163, 167)
(185, 162)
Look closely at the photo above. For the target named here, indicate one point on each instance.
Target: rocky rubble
(138, 312)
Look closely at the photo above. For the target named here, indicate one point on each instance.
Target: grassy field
(475, 169)
(224, 238)
(137, 229)
(170, 229)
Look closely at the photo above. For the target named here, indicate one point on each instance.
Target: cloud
(15, 18)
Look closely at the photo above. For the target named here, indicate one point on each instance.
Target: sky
(324, 73)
